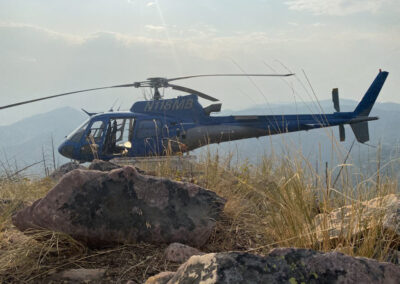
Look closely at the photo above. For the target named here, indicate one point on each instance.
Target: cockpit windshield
(76, 135)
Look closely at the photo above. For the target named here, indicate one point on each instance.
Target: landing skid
(180, 163)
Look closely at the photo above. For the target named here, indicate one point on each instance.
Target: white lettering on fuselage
(149, 106)
(169, 105)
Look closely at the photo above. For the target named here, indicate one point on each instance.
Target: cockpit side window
(77, 134)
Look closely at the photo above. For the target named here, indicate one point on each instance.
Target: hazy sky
(51, 46)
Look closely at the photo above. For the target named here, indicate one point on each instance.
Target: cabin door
(148, 137)
(118, 137)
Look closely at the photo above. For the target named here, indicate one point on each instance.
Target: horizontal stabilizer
(360, 130)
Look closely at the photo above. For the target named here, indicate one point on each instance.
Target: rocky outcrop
(123, 206)
(356, 219)
(104, 166)
(287, 265)
(180, 253)
(64, 169)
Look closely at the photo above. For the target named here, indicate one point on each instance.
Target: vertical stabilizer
(367, 102)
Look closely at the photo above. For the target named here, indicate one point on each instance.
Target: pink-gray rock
(342, 222)
(180, 253)
(287, 265)
(123, 206)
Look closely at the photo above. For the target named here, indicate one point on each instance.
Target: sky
(53, 46)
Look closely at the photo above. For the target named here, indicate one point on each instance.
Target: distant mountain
(24, 142)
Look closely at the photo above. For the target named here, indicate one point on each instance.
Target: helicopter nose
(66, 150)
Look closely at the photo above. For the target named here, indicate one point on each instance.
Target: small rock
(161, 278)
(80, 274)
(64, 169)
(123, 206)
(285, 265)
(180, 253)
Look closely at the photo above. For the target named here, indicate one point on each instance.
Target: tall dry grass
(274, 203)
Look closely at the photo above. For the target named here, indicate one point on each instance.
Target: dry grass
(272, 204)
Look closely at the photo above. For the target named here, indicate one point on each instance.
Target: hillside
(25, 140)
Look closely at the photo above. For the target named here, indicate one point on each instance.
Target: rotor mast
(156, 95)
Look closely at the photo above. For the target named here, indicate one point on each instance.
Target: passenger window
(149, 128)
(124, 129)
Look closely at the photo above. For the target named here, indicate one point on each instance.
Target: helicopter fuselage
(172, 126)
(162, 127)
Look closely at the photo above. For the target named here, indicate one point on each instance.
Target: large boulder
(356, 219)
(287, 265)
(123, 206)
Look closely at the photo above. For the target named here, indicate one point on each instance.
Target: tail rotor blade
(335, 99)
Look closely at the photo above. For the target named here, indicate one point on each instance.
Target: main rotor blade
(231, 75)
(64, 94)
(191, 91)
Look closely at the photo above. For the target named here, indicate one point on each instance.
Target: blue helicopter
(160, 127)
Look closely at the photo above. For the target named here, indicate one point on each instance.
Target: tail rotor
(336, 106)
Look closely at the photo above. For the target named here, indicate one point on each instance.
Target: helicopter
(160, 127)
